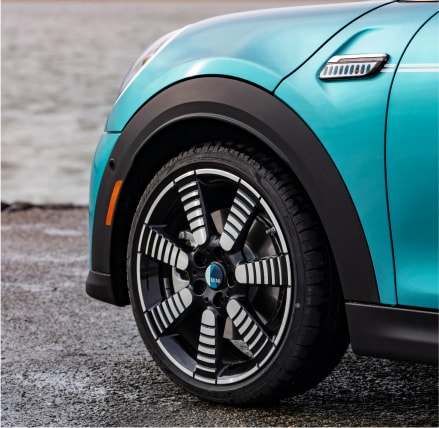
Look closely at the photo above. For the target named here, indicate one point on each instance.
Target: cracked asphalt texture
(69, 360)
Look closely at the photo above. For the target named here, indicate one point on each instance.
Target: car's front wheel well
(215, 109)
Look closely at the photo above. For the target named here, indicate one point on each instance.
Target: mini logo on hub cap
(214, 276)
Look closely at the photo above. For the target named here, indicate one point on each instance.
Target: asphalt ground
(69, 360)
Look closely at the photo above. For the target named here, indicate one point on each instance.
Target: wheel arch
(212, 109)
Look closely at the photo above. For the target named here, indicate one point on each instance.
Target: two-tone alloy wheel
(230, 278)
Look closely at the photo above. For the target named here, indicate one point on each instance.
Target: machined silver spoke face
(168, 311)
(270, 271)
(240, 213)
(252, 333)
(208, 348)
(159, 248)
(191, 199)
(214, 275)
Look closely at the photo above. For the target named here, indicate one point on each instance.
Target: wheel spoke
(249, 328)
(153, 244)
(242, 210)
(163, 315)
(208, 348)
(191, 199)
(269, 271)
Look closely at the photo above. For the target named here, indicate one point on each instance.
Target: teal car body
(379, 130)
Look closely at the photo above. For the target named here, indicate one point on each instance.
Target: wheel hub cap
(214, 276)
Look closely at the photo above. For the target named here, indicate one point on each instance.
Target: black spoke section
(269, 271)
(249, 328)
(160, 248)
(163, 315)
(190, 196)
(242, 210)
(208, 348)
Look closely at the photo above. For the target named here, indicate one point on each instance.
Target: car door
(412, 168)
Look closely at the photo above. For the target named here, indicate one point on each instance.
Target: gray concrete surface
(68, 360)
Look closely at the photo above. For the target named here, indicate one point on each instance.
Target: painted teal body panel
(351, 118)
(100, 162)
(412, 165)
(260, 47)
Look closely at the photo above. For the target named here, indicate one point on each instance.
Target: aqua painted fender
(259, 47)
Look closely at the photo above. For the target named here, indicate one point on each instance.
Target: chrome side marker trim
(353, 66)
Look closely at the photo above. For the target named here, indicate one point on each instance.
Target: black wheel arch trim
(224, 104)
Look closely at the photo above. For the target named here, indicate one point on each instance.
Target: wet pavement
(69, 360)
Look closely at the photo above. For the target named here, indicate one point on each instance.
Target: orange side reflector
(112, 203)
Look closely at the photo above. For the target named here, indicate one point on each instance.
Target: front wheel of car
(231, 279)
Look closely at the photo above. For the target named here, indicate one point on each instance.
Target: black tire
(231, 279)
